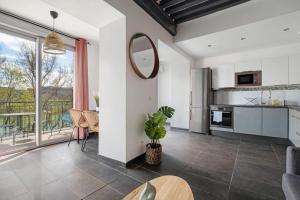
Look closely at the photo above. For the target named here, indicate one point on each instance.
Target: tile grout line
(234, 166)
(106, 185)
(277, 157)
(112, 168)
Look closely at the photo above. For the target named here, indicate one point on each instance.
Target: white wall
(93, 73)
(180, 93)
(141, 95)
(164, 85)
(112, 90)
(174, 91)
(174, 83)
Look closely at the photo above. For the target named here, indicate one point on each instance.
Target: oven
(249, 78)
(221, 118)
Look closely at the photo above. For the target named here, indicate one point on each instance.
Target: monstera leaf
(167, 111)
(154, 126)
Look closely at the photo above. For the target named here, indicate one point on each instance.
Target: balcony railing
(20, 117)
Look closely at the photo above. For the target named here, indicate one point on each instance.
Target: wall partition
(36, 92)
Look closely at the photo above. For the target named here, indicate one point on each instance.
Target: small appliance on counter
(278, 102)
(221, 118)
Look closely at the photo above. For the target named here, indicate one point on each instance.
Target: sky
(10, 48)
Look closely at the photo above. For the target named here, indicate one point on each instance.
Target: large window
(18, 118)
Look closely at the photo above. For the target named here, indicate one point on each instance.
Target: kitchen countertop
(295, 108)
(257, 106)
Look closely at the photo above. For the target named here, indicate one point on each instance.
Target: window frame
(39, 40)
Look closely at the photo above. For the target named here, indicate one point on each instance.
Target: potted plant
(96, 97)
(155, 130)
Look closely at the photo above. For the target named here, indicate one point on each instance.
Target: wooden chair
(93, 123)
(78, 122)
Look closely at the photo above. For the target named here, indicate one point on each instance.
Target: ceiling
(274, 31)
(170, 13)
(74, 18)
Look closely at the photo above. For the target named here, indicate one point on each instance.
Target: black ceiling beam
(201, 10)
(166, 4)
(196, 7)
(183, 7)
(153, 9)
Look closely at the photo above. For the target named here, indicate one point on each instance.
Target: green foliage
(168, 111)
(155, 124)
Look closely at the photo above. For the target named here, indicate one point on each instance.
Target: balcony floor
(25, 141)
(216, 168)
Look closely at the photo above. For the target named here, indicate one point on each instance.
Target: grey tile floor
(217, 168)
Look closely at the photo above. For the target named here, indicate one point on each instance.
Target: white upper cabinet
(248, 66)
(275, 71)
(223, 76)
(294, 69)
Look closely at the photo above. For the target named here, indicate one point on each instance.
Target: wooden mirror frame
(134, 65)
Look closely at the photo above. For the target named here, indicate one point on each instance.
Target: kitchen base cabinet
(294, 127)
(275, 122)
(272, 122)
(247, 120)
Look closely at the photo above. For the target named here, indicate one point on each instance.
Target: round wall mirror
(143, 56)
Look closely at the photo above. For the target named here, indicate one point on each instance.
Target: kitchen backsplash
(243, 95)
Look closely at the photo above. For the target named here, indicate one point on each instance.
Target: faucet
(261, 97)
(270, 97)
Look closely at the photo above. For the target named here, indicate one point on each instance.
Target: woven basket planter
(153, 154)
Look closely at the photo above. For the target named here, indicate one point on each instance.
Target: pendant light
(53, 43)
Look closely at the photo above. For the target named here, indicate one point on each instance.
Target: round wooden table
(167, 188)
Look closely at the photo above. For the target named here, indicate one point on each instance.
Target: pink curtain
(81, 89)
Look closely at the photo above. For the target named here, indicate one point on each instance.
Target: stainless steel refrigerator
(201, 98)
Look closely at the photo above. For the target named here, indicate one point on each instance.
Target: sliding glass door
(57, 96)
(35, 89)
(17, 92)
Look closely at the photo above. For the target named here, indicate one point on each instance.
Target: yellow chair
(78, 122)
(92, 119)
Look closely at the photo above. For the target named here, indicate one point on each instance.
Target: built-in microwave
(249, 78)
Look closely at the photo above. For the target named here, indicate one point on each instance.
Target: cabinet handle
(297, 133)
